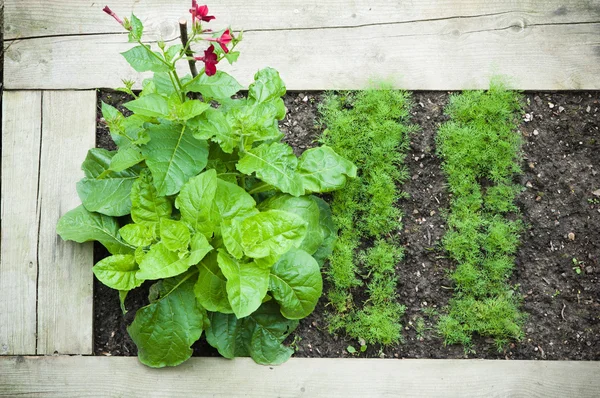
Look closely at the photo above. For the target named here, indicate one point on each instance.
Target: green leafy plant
(203, 199)
(577, 264)
(369, 128)
(480, 148)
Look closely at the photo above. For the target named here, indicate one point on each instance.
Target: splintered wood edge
(81, 376)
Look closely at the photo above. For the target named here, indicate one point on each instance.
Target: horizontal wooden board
(64, 377)
(32, 18)
(65, 316)
(21, 132)
(425, 45)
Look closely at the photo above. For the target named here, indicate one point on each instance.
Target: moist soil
(557, 268)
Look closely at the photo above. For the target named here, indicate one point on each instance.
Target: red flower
(224, 40)
(210, 61)
(200, 13)
(112, 14)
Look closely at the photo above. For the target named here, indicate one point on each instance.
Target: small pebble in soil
(571, 236)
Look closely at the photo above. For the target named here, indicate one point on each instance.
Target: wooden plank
(21, 126)
(65, 268)
(216, 377)
(30, 18)
(540, 45)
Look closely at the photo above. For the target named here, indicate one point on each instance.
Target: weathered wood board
(65, 297)
(21, 134)
(217, 377)
(425, 45)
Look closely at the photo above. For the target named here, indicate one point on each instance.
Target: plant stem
(219, 60)
(178, 80)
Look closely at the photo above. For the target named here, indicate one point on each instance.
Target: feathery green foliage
(370, 129)
(480, 148)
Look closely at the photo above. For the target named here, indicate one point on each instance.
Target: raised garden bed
(557, 273)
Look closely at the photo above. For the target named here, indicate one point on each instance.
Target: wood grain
(425, 45)
(311, 377)
(65, 318)
(21, 127)
(32, 18)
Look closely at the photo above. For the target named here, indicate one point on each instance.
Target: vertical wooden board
(65, 268)
(21, 124)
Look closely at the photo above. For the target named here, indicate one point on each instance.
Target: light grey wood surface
(65, 316)
(300, 377)
(21, 131)
(424, 45)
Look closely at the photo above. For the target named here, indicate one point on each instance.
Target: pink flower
(210, 61)
(224, 40)
(112, 14)
(200, 13)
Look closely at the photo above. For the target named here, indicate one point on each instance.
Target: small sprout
(351, 350)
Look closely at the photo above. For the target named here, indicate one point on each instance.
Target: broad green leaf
(199, 249)
(80, 225)
(109, 195)
(160, 83)
(232, 56)
(246, 284)
(139, 254)
(231, 201)
(138, 234)
(164, 330)
(328, 229)
(210, 289)
(175, 235)
(272, 232)
(296, 283)
(323, 170)
(131, 131)
(195, 201)
(147, 206)
(96, 162)
(218, 87)
(118, 272)
(190, 109)
(232, 237)
(151, 105)
(126, 157)
(275, 164)
(173, 51)
(304, 207)
(137, 29)
(143, 60)
(213, 125)
(259, 335)
(255, 122)
(161, 263)
(123, 130)
(111, 114)
(173, 156)
(267, 85)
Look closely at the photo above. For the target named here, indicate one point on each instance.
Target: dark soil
(561, 166)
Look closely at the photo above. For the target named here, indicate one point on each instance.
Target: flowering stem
(186, 48)
(219, 60)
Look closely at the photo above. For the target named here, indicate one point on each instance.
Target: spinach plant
(203, 198)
